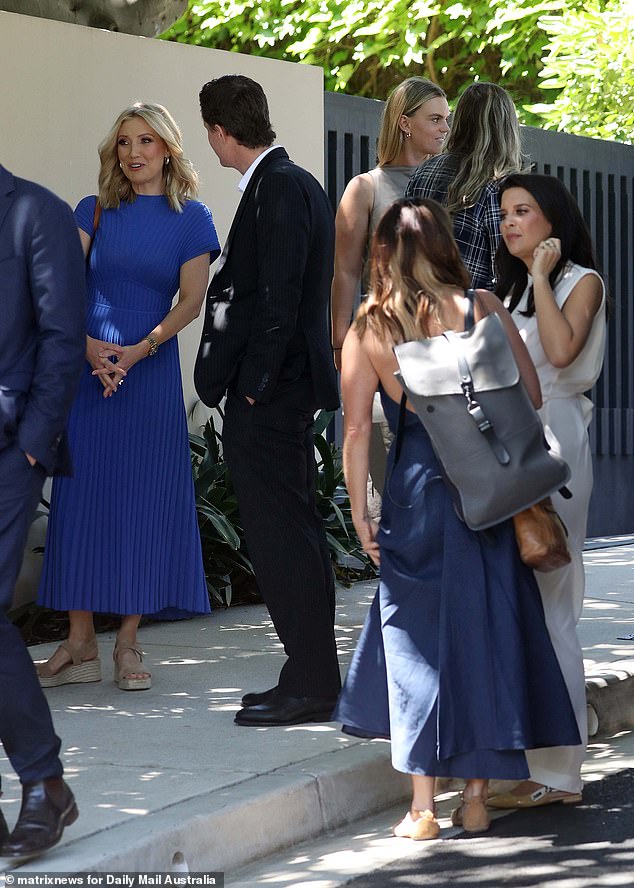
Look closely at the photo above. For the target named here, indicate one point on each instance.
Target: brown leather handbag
(541, 537)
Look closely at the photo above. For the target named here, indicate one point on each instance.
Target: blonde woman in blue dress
(123, 534)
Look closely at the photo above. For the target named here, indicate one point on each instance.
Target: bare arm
(488, 303)
(359, 382)
(351, 235)
(563, 331)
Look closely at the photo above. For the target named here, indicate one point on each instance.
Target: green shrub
(228, 569)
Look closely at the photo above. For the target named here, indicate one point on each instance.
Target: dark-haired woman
(548, 276)
(454, 664)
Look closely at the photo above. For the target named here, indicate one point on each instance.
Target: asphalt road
(585, 846)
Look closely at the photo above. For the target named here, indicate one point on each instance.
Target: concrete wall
(62, 86)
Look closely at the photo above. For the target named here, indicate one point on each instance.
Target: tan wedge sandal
(85, 665)
(122, 677)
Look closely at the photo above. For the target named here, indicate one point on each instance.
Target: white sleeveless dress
(566, 414)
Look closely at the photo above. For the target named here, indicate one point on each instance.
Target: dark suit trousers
(270, 453)
(26, 728)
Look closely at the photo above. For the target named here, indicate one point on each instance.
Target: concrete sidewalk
(165, 780)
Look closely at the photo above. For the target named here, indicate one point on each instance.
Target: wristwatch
(153, 345)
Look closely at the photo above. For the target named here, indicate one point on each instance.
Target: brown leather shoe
(48, 806)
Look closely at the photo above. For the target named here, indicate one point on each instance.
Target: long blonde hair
(405, 99)
(414, 260)
(179, 176)
(485, 137)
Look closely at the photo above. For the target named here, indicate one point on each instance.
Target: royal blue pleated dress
(454, 663)
(122, 534)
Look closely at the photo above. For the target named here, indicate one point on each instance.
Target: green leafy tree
(366, 48)
(596, 43)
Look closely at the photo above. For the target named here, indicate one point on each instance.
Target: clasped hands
(111, 374)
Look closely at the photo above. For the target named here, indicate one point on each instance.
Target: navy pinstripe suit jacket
(267, 312)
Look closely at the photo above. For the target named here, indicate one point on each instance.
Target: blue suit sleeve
(58, 295)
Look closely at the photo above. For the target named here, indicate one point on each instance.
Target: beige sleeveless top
(389, 183)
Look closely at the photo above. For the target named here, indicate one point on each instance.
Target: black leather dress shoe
(282, 710)
(47, 807)
(261, 697)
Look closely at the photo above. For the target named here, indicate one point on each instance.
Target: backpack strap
(469, 314)
(398, 444)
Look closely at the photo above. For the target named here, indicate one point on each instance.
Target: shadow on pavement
(584, 846)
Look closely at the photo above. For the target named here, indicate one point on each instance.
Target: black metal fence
(601, 177)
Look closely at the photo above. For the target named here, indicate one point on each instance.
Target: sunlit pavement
(164, 779)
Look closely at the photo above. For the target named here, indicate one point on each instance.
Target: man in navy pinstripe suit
(266, 345)
(42, 349)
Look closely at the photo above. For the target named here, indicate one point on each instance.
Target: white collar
(244, 181)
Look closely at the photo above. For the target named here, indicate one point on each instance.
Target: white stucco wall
(61, 88)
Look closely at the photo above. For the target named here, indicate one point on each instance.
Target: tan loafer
(472, 814)
(425, 827)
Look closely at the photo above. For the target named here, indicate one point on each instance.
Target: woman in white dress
(547, 276)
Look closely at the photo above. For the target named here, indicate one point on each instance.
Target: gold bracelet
(153, 345)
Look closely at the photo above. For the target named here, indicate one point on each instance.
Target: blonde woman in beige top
(413, 128)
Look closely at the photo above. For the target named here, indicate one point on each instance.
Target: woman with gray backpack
(454, 664)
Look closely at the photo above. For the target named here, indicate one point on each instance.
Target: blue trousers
(26, 727)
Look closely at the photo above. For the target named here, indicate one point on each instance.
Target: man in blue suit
(266, 344)
(42, 349)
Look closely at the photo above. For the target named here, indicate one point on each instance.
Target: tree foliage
(365, 47)
(595, 43)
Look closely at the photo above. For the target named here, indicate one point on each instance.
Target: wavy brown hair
(179, 176)
(414, 257)
(485, 137)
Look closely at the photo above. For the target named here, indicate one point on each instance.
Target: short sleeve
(85, 214)
(200, 233)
